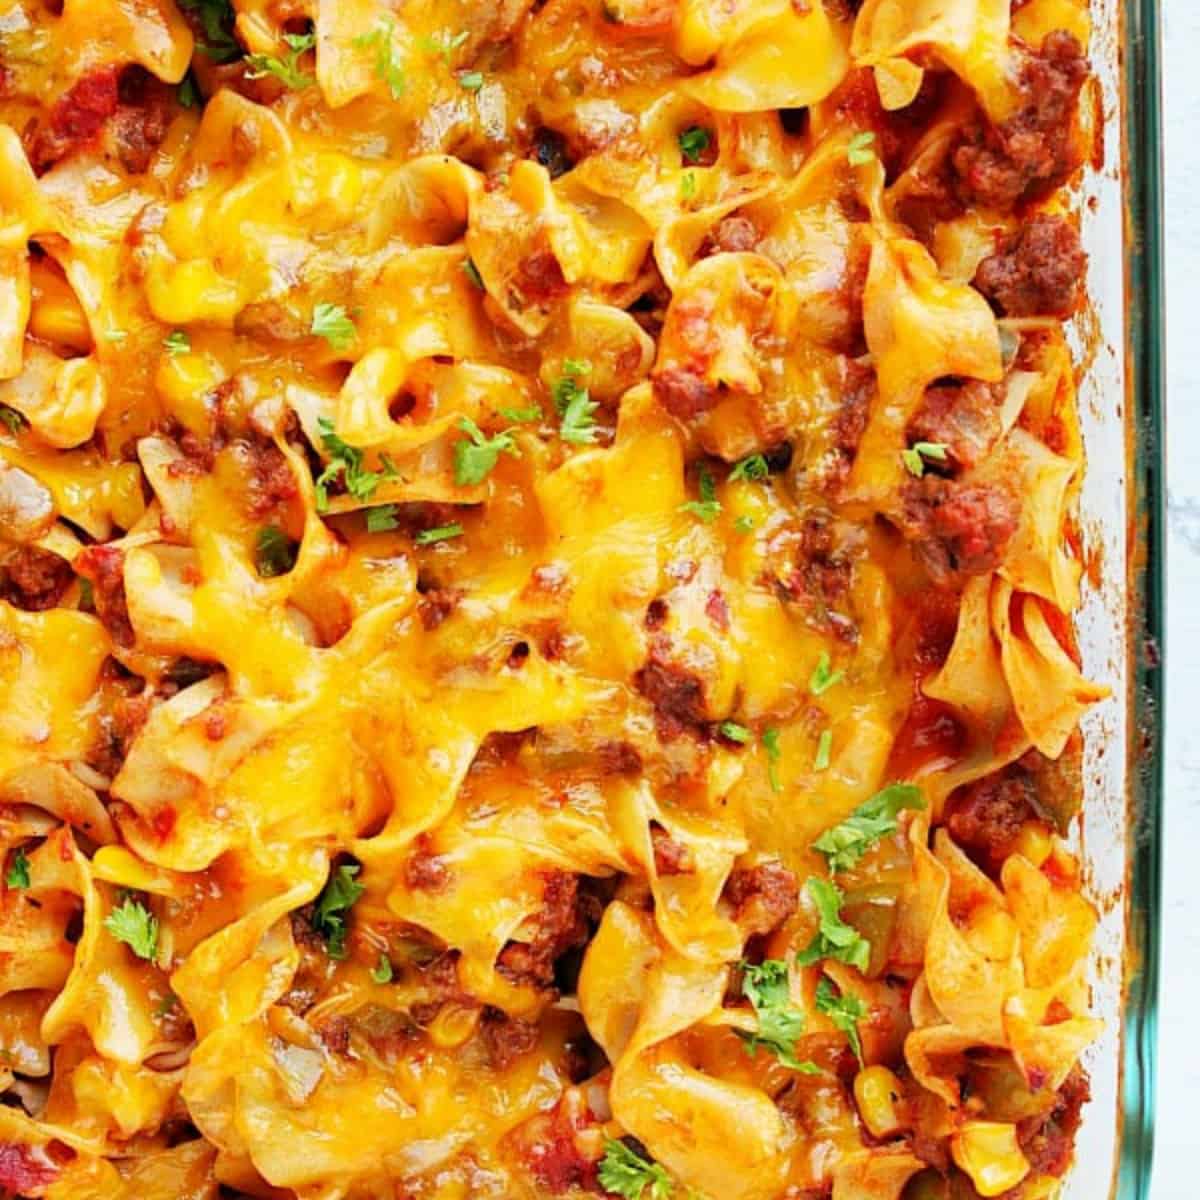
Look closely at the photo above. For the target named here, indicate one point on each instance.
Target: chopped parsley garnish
(770, 741)
(823, 676)
(844, 1011)
(693, 142)
(381, 972)
(166, 1005)
(780, 1023)
(914, 457)
(382, 518)
(835, 939)
(574, 403)
(687, 185)
(522, 416)
(13, 421)
(17, 875)
(708, 507)
(859, 150)
(734, 732)
(824, 746)
(216, 19)
(286, 70)
(347, 461)
(177, 343)
(382, 41)
(187, 93)
(623, 1172)
(274, 552)
(471, 271)
(476, 454)
(844, 844)
(444, 45)
(441, 533)
(337, 898)
(331, 322)
(470, 81)
(743, 524)
(133, 925)
(753, 466)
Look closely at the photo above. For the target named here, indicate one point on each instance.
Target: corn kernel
(1035, 842)
(988, 1151)
(183, 381)
(879, 1097)
(187, 292)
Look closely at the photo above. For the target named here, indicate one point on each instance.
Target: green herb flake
(444, 45)
(441, 533)
(687, 185)
(286, 70)
(166, 1005)
(337, 898)
(216, 19)
(274, 552)
(387, 69)
(734, 732)
(187, 93)
(12, 420)
(382, 972)
(844, 1011)
(744, 524)
(708, 507)
(132, 924)
(844, 844)
(623, 1172)
(824, 747)
(860, 149)
(346, 461)
(693, 141)
(470, 81)
(835, 939)
(574, 403)
(770, 741)
(332, 322)
(780, 1023)
(522, 416)
(17, 875)
(753, 466)
(382, 518)
(477, 454)
(177, 343)
(823, 676)
(914, 457)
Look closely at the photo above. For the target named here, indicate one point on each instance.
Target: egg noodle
(537, 552)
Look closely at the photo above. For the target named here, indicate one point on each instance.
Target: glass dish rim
(1141, 162)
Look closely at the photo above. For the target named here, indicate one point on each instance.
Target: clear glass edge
(1145, 315)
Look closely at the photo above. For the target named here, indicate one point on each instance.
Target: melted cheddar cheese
(537, 553)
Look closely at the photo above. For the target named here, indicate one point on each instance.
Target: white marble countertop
(1175, 1171)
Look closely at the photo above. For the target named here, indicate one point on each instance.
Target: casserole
(495, 579)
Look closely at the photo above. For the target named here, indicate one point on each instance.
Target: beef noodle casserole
(537, 561)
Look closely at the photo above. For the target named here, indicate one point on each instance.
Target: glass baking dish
(1120, 346)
